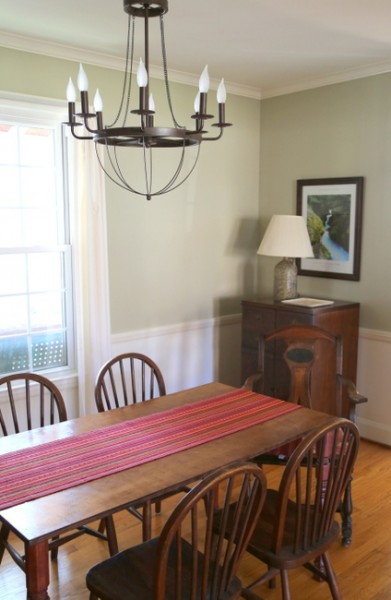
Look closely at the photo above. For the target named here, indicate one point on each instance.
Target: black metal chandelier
(145, 136)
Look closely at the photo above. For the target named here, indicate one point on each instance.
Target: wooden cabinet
(260, 317)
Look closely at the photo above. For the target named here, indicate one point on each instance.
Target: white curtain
(90, 264)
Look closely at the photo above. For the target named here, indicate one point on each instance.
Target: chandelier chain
(127, 83)
(165, 71)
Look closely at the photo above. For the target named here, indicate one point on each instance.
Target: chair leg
(346, 515)
(331, 578)
(286, 593)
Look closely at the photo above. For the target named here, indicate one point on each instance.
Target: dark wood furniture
(201, 565)
(37, 521)
(341, 319)
(123, 380)
(297, 525)
(126, 379)
(32, 402)
(309, 357)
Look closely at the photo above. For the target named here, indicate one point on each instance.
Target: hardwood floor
(363, 570)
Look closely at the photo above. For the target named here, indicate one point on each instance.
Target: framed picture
(332, 209)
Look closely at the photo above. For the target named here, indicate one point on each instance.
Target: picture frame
(332, 209)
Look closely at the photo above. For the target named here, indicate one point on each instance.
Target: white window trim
(89, 242)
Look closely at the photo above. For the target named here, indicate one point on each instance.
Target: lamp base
(285, 279)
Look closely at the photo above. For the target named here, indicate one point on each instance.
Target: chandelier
(143, 134)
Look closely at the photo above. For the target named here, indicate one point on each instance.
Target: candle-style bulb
(151, 103)
(98, 102)
(197, 103)
(71, 92)
(221, 93)
(82, 80)
(204, 81)
(142, 75)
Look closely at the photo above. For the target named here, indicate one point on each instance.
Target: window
(36, 323)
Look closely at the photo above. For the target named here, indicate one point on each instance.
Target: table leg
(37, 571)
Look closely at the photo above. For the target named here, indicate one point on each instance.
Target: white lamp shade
(287, 236)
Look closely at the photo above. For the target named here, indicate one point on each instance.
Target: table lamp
(286, 236)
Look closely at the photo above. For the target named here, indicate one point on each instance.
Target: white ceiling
(261, 47)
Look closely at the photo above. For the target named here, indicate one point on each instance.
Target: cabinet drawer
(286, 318)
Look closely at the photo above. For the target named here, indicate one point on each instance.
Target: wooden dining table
(38, 520)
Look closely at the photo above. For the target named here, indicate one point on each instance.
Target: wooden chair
(29, 401)
(297, 524)
(301, 347)
(188, 561)
(127, 379)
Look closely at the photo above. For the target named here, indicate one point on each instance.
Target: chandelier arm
(124, 185)
(121, 182)
(89, 129)
(120, 176)
(117, 170)
(116, 167)
(106, 172)
(213, 139)
(175, 176)
(164, 190)
(165, 72)
(78, 137)
(148, 180)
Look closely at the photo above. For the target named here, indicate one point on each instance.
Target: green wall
(334, 131)
(190, 254)
(183, 256)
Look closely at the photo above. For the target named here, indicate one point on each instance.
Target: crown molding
(369, 70)
(71, 53)
(97, 59)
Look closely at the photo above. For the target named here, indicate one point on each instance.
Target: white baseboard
(189, 354)
(374, 364)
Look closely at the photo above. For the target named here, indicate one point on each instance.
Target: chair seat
(190, 560)
(129, 575)
(261, 541)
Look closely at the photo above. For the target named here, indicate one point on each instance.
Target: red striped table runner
(57, 465)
